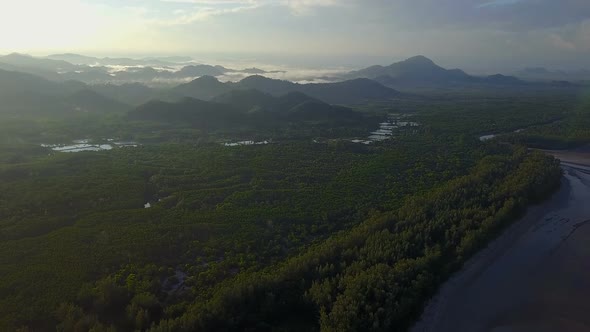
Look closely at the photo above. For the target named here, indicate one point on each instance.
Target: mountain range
(345, 92)
(154, 71)
(418, 71)
(36, 85)
(421, 71)
(24, 93)
(244, 109)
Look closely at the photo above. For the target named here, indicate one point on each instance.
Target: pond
(243, 143)
(492, 136)
(81, 145)
(386, 129)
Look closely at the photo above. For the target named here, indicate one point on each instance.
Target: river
(535, 276)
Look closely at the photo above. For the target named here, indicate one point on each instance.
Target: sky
(478, 35)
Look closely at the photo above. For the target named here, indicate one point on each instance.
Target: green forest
(310, 232)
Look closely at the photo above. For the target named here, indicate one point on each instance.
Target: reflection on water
(491, 136)
(386, 129)
(242, 143)
(81, 145)
(486, 137)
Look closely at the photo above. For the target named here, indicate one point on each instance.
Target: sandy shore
(535, 276)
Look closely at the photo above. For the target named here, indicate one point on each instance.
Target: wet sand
(535, 276)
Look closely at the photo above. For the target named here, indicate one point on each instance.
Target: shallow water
(486, 137)
(81, 145)
(386, 130)
(535, 277)
(243, 143)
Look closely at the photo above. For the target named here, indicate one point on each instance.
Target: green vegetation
(309, 232)
(571, 132)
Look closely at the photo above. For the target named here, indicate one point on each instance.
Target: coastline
(518, 282)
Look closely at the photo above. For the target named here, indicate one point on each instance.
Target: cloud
(573, 37)
(184, 17)
(306, 6)
(560, 43)
(205, 9)
(496, 3)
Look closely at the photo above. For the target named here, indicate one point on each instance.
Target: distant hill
(130, 93)
(200, 70)
(89, 75)
(87, 100)
(23, 93)
(245, 107)
(293, 106)
(174, 59)
(249, 100)
(74, 58)
(502, 79)
(254, 71)
(421, 71)
(47, 74)
(27, 61)
(318, 111)
(88, 60)
(418, 68)
(204, 88)
(198, 113)
(19, 83)
(268, 85)
(140, 74)
(156, 71)
(347, 92)
(350, 92)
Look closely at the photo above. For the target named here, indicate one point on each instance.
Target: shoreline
(495, 290)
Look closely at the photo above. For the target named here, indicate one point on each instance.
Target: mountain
(13, 82)
(74, 58)
(90, 101)
(248, 99)
(244, 108)
(421, 71)
(293, 106)
(347, 92)
(88, 60)
(255, 71)
(268, 85)
(317, 111)
(23, 93)
(144, 74)
(89, 75)
(174, 59)
(27, 61)
(204, 88)
(418, 68)
(47, 74)
(130, 93)
(200, 70)
(503, 80)
(93, 70)
(141, 74)
(199, 114)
